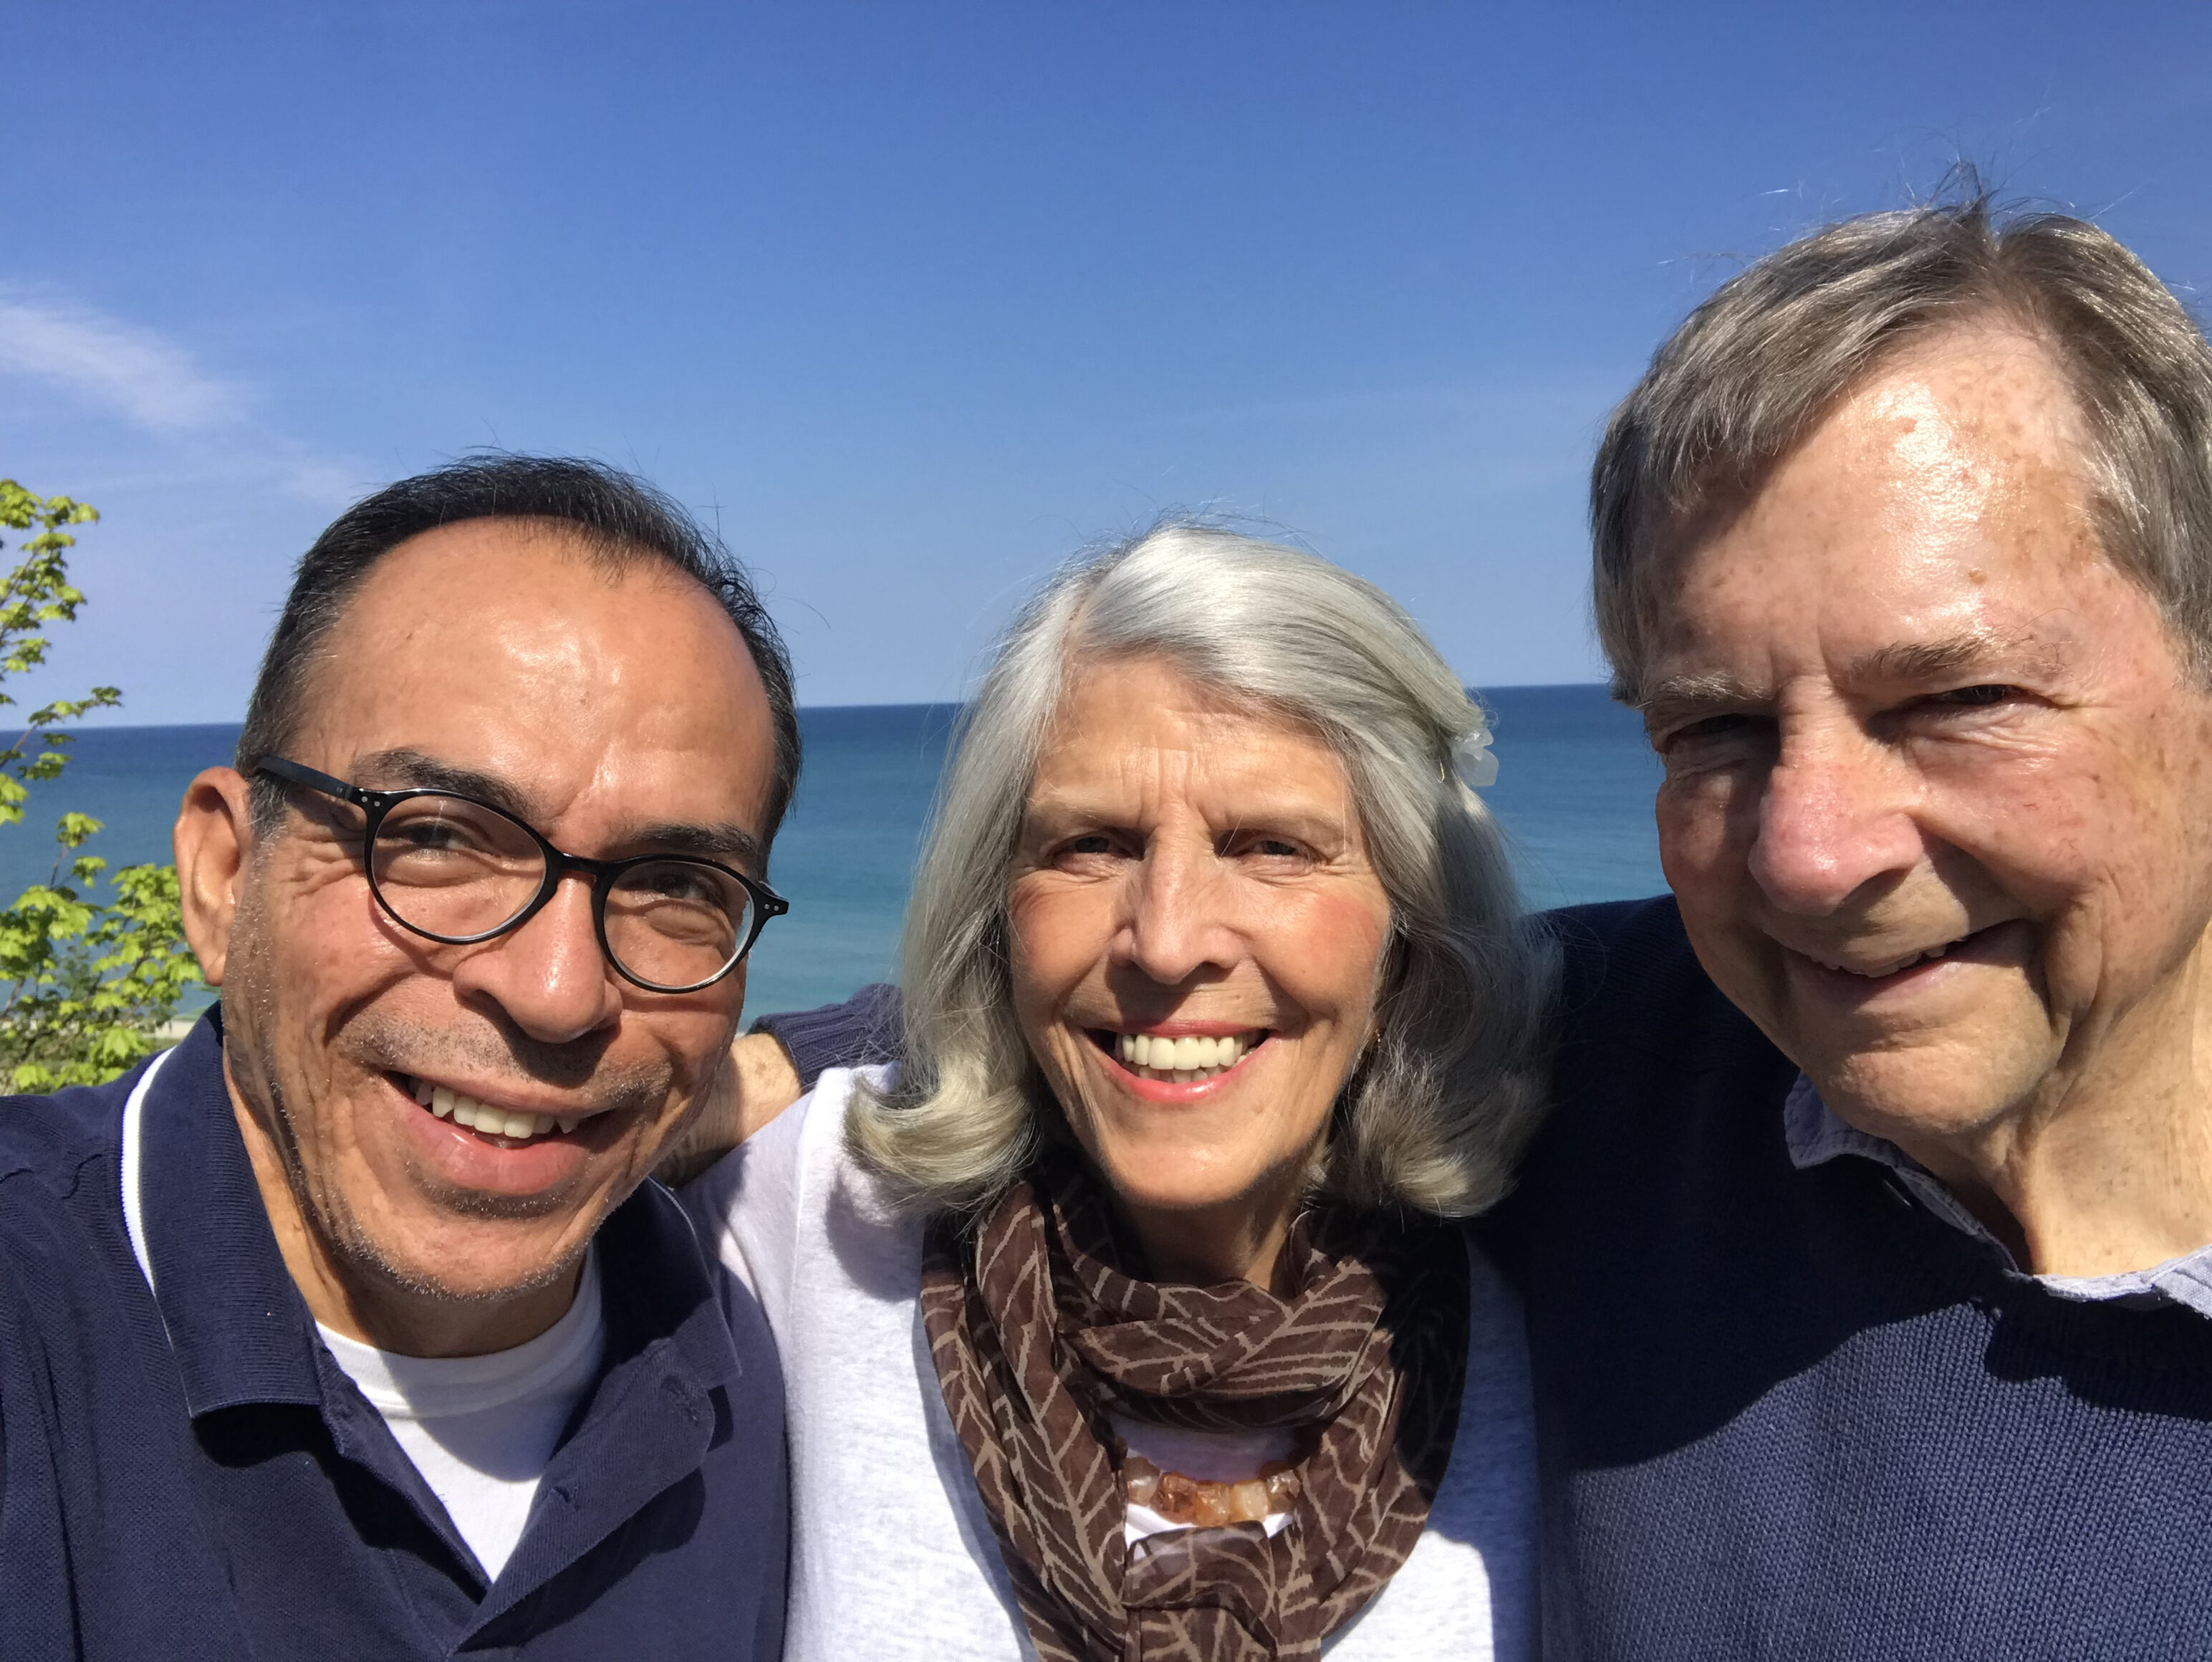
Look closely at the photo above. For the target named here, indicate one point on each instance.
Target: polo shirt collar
(1816, 1136)
(238, 1327)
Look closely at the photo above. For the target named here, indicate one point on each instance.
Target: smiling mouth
(485, 1118)
(1181, 1061)
(1886, 967)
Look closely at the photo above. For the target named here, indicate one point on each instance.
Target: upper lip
(512, 1101)
(1185, 1029)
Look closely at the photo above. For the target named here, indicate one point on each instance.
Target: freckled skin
(610, 705)
(2041, 786)
(1182, 859)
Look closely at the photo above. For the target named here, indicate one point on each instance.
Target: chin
(491, 1278)
(1176, 1180)
(1926, 1092)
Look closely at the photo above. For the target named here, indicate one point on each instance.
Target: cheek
(1325, 952)
(1057, 936)
(2096, 832)
(1692, 817)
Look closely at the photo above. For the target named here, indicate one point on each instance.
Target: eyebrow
(1914, 661)
(1676, 695)
(1931, 661)
(412, 769)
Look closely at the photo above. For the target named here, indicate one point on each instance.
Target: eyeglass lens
(452, 868)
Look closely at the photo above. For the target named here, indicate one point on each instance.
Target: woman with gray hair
(1125, 1317)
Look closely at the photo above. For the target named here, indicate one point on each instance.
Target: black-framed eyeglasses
(450, 869)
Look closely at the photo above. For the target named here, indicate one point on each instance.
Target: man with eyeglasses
(350, 1327)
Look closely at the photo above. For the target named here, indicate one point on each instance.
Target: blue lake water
(1573, 792)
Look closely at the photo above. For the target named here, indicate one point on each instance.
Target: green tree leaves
(90, 981)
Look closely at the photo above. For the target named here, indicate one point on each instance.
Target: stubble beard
(344, 1242)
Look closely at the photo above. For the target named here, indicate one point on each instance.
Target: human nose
(549, 975)
(1834, 816)
(1177, 923)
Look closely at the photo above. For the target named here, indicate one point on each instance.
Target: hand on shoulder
(757, 1083)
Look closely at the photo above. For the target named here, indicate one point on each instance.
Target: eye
(685, 883)
(427, 835)
(1974, 697)
(1084, 851)
(1711, 729)
(1272, 847)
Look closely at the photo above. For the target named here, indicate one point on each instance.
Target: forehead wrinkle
(402, 768)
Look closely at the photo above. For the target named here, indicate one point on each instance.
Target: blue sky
(912, 300)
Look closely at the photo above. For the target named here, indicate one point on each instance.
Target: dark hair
(619, 518)
(1757, 366)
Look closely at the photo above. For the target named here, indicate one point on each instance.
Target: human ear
(213, 840)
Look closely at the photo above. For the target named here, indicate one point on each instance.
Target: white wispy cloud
(132, 371)
(206, 428)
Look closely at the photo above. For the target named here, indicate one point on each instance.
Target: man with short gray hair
(1869, 1257)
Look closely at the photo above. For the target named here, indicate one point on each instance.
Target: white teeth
(1184, 1060)
(448, 1103)
(1877, 971)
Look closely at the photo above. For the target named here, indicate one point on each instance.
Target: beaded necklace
(1201, 1502)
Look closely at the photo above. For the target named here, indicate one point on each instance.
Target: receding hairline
(1708, 500)
(612, 557)
(1672, 533)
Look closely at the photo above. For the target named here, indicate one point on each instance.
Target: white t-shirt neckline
(481, 1429)
(439, 1387)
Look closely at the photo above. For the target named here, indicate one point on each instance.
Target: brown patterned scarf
(1036, 1336)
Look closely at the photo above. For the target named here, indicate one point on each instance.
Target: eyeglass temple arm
(297, 775)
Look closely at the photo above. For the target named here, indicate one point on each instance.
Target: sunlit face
(1936, 790)
(620, 716)
(1193, 873)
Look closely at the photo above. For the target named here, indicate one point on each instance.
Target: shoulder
(1658, 1081)
(60, 1174)
(1469, 1587)
(1632, 989)
(65, 1263)
(792, 1180)
(775, 1158)
(50, 1137)
(1621, 951)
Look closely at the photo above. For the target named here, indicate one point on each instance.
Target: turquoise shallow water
(1573, 792)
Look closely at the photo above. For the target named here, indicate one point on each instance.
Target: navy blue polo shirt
(188, 1473)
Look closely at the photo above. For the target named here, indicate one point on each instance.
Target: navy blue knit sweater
(1791, 1413)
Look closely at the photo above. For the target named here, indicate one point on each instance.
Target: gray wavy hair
(1755, 368)
(1435, 1114)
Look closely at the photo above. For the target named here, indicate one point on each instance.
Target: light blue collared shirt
(1815, 1136)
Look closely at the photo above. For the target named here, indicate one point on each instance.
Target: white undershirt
(480, 1429)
